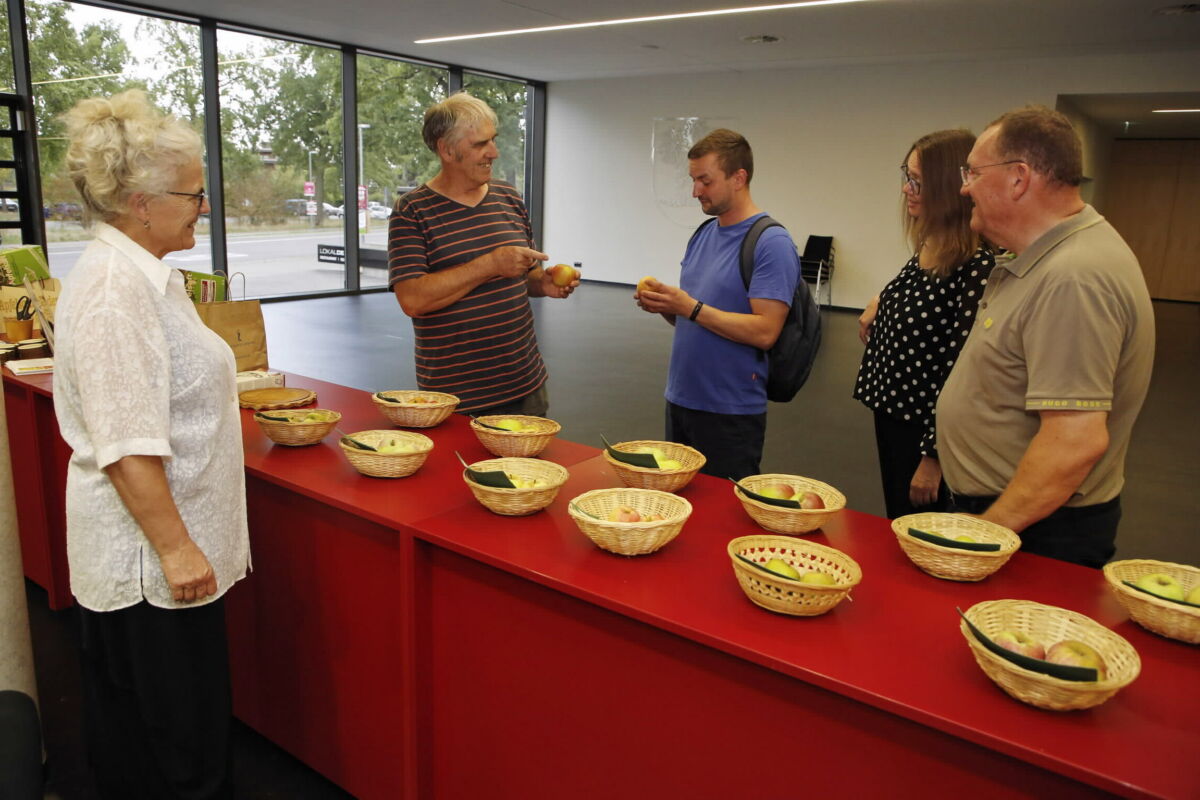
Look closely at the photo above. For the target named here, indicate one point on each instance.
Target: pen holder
(17, 329)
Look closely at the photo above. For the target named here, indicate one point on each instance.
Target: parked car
(297, 207)
(66, 211)
(331, 210)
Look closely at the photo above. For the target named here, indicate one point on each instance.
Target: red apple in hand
(1020, 643)
(1076, 654)
(562, 274)
(811, 500)
(624, 514)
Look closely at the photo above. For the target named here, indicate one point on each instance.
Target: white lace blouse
(137, 373)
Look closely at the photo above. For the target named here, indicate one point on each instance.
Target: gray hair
(122, 145)
(453, 117)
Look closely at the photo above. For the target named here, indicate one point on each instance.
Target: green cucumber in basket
(773, 501)
(646, 460)
(496, 479)
(933, 538)
(1066, 673)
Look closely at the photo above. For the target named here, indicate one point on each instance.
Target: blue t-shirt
(709, 372)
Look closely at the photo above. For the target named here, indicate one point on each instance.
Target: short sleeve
(776, 267)
(1072, 340)
(408, 255)
(122, 374)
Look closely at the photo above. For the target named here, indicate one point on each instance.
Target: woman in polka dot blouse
(916, 326)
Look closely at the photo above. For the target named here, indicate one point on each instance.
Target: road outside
(273, 263)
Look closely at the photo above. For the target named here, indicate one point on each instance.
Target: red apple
(624, 514)
(1021, 643)
(811, 500)
(1076, 654)
(778, 491)
(562, 274)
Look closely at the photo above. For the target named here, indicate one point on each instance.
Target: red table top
(897, 646)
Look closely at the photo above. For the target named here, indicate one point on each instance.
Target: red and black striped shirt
(481, 348)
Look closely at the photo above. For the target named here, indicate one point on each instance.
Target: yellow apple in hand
(562, 274)
(781, 567)
(644, 284)
(1076, 654)
(818, 578)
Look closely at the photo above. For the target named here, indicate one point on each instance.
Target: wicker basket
(416, 409)
(590, 511)
(664, 480)
(518, 502)
(293, 432)
(954, 563)
(525, 443)
(784, 595)
(387, 465)
(779, 519)
(1049, 625)
(1153, 613)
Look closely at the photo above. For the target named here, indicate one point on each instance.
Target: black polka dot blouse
(918, 332)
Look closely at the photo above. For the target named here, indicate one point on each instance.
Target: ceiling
(873, 31)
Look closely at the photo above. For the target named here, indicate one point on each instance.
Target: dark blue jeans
(731, 443)
(1084, 535)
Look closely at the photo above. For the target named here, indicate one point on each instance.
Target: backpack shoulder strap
(749, 243)
(699, 228)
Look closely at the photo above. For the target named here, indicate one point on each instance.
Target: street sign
(362, 197)
(331, 253)
(310, 189)
(311, 208)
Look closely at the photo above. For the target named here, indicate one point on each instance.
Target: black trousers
(157, 705)
(1083, 535)
(731, 443)
(899, 445)
(534, 404)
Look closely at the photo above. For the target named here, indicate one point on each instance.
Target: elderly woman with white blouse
(156, 505)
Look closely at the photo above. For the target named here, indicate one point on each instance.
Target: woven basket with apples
(1050, 636)
(631, 522)
(514, 436)
(677, 465)
(792, 576)
(953, 546)
(415, 409)
(297, 427)
(1166, 599)
(386, 454)
(809, 503)
(535, 485)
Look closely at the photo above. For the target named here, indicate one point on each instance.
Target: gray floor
(607, 362)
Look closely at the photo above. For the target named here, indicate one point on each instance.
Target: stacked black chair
(20, 747)
(816, 265)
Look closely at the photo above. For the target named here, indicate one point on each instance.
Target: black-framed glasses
(197, 196)
(970, 173)
(913, 184)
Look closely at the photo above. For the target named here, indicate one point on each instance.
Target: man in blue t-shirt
(717, 380)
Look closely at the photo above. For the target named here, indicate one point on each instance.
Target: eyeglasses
(197, 196)
(913, 184)
(970, 173)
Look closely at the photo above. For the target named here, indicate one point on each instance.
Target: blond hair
(453, 117)
(122, 145)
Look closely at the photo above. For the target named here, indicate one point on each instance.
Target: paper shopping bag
(240, 324)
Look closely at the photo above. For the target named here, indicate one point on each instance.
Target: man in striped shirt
(462, 264)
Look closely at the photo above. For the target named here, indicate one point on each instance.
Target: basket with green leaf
(629, 521)
(649, 464)
(788, 504)
(1158, 595)
(955, 547)
(297, 427)
(412, 408)
(532, 484)
(386, 454)
(514, 435)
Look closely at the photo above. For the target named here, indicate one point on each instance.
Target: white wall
(827, 142)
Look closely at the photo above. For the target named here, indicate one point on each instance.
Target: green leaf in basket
(1133, 585)
(385, 399)
(1080, 674)
(355, 442)
(646, 460)
(493, 478)
(273, 419)
(581, 511)
(483, 424)
(763, 567)
(774, 501)
(944, 541)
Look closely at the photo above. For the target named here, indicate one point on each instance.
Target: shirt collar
(155, 270)
(1027, 260)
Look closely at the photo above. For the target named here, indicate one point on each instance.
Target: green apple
(509, 424)
(781, 567)
(1161, 584)
(818, 578)
(778, 491)
(1076, 654)
(1194, 595)
(394, 446)
(1020, 642)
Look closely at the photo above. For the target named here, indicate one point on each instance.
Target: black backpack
(790, 359)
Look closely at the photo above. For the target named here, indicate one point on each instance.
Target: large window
(78, 51)
(392, 98)
(284, 217)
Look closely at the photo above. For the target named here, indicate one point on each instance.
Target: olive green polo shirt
(1066, 325)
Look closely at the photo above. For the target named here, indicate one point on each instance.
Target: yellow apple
(1076, 654)
(778, 491)
(1194, 595)
(624, 514)
(818, 578)
(963, 538)
(1020, 642)
(781, 567)
(509, 424)
(1161, 584)
(562, 274)
(669, 463)
(645, 284)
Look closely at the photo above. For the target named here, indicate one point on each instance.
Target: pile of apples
(630, 514)
(660, 458)
(1162, 585)
(784, 491)
(786, 570)
(1068, 652)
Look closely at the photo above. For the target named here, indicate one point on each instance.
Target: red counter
(405, 641)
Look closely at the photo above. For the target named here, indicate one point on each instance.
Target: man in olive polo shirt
(1034, 421)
